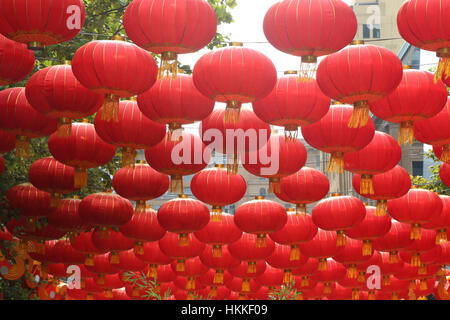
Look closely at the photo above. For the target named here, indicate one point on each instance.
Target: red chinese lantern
(303, 187)
(52, 176)
(133, 131)
(417, 207)
(214, 186)
(423, 24)
(281, 259)
(382, 154)
(178, 159)
(292, 104)
(208, 279)
(101, 267)
(438, 151)
(175, 102)
(418, 246)
(285, 159)
(372, 227)
(105, 210)
(358, 75)
(333, 272)
(219, 233)
(170, 247)
(243, 286)
(242, 272)
(16, 61)
(322, 246)
(310, 29)
(57, 270)
(339, 213)
(114, 243)
(170, 28)
(67, 217)
(220, 264)
(18, 229)
(43, 23)
(299, 228)
(387, 268)
(183, 216)
(142, 227)
(391, 184)
(249, 134)
(352, 255)
(435, 131)
(128, 261)
(441, 223)
(422, 258)
(193, 270)
(331, 134)
(83, 149)
(82, 242)
(17, 117)
(417, 98)
(154, 257)
(305, 271)
(56, 93)
(239, 67)
(273, 277)
(398, 238)
(444, 174)
(7, 141)
(260, 217)
(116, 69)
(61, 251)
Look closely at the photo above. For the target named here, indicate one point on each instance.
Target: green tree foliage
(434, 184)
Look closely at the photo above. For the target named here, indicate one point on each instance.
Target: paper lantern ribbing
(67, 217)
(16, 61)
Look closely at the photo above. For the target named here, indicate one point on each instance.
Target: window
(375, 28)
(262, 192)
(376, 31)
(366, 31)
(417, 168)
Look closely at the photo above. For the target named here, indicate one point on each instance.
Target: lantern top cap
(336, 103)
(357, 42)
(67, 62)
(236, 44)
(108, 191)
(407, 67)
(219, 165)
(118, 38)
(291, 72)
(183, 196)
(336, 194)
(132, 99)
(259, 198)
(290, 210)
(85, 120)
(141, 162)
(76, 197)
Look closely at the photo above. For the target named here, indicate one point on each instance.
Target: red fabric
(225, 262)
(391, 184)
(128, 261)
(7, 141)
(417, 206)
(193, 268)
(271, 277)
(427, 242)
(84, 148)
(171, 25)
(293, 103)
(352, 253)
(223, 293)
(105, 209)
(335, 272)
(281, 258)
(398, 238)
(154, 255)
(389, 268)
(332, 134)
(207, 279)
(16, 228)
(67, 218)
(260, 217)
(375, 260)
(310, 28)
(58, 270)
(30, 201)
(416, 98)
(235, 74)
(219, 233)
(444, 174)
(323, 245)
(435, 130)
(298, 228)
(115, 241)
(241, 271)
(52, 176)
(308, 269)
(424, 24)
(19, 118)
(444, 259)
(112, 281)
(55, 92)
(102, 266)
(175, 101)
(359, 73)
(427, 257)
(61, 251)
(183, 215)
(114, 67)
(44, 21)
(216, 187)
(372, 227)
(143, 226)
(236, 285)
(338, 213)
(82, 242)
(181, 283)
(441, 221)
(246, 249)
(169, 246)
(16, 61)
(133, 130)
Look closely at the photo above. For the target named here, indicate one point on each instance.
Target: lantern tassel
(445, 157)
(110, 109)
(251, 267)
(355, 294)
(327, 288)
(245, 285)
(89, 261)
(423, 285)
(361, 277)
(176, 185)
(217, 251)
(352, 272)
(108, 293)
(152, 272)
(299, 296)
(216, 214)
(336, 164)
(295, 253)
(308, 68)
(367, 248)
(140, 207)
(232, 164)
(416, 232)
(393, 257)
(443, 69)
(174, 133)
(190, 284)
(64, 129)
(322, 265)
(139, 248)
(406, 134)
(213, 292)
(232, 112)
(274, 185)
(22, 147)
(115, 258)
(422, 269)
(341, 239)
(80, 178)
(305, 282)
(55, 200)
(101, 279)
(381, 209)
(360, 115)
(183, 240)
(415, 259)
(181, 266)
(366, 184)
(386, 280)
(168, 65)
(261, 241)
(128, 157)
(135, 292)
(218, 277)
(394, 296)
(103, 233)
(290, 134)
(287, 276)
(242, 297)
(371, 295)
(300, 209)
(441, 237)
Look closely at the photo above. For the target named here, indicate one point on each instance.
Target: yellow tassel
(300, 296)
(300, 209)
(416, 232)
(108, 293)
(115, 258)
(128, 157)
(412, 284)
(336, 164)
(174, 128)
(422, 269)
(218, 277)
(89, 261)
(441, 236)
(441, 272)
(381, 209)
(287, 277)
(290, 134)
(213, 292)
(415, 259)
(352, 272)
(327, 288)
(305, 282)
(64, 127)
(232, 112)
(322, 264)
(393, 257)
(217, 251)
(341, 239)
(168, 65)
(183, 240)
(232, 165)
(89, 296)
(406, 134)
(366, 184)
(360, 115)
(181, 266)
(242, 297)
(101, 279)
(362, 277)
(445, 157)
(141, 207)
(190, 284)
(261, 241)
(251, 267)
(245, 285)
(22, 147)
(110, 108)
(295, 253)
(371, 295)
(394, 296)
(274, 185)
(443, 69)
(308, 67)
(355, 294)
(216, 214)
(139, 248)
(176, 185)
(80, 178)
(386, 280)
(135, 292)
(367, 248)
(55, 200)
(423, 284)
(152, 272)
(104, 233)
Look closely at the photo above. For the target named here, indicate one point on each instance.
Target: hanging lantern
(170, 28)
(194, 269)
(43, 23)
(260, 217)
(422, 259)
(114, 243)
(309, 30)
(132, 132)
(154, 257)
(388, 269)
(444, 174)
(16, 61)
(178, 159)
(285, 159)
(441, 223)
(208, 279)
(82, 242)
(378, 70)
(102, 266)
(331, 134)
(418, 246)
(220, 264)
(372, 227)
(438, 152)
(391, 184)
(183, 216)
(242, 272)
(237, 66)
(398, 238)
(215, 187)
(305, 272)
(17, 117)
(61, 251)
(281, 259)
(417, 98)
(7, 142)
(333, 272)
(243, 287)
(352, 255)
(116, 69)
(273, 277)
(417, 207)
(83, 149)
